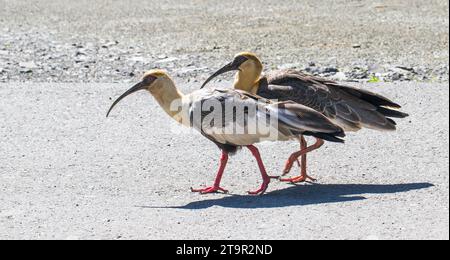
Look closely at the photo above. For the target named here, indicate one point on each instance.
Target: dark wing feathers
(310, 121)
(391, 113)
(370, 97)
(348, 107)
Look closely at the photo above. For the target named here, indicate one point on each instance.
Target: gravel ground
(111, 41)
(67, 172)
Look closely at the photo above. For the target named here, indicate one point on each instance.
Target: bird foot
(264, 186)
(261, 190)
(210, 190)
(299, 179)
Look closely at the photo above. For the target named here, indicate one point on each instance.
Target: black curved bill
(135, 88)
(234, 65)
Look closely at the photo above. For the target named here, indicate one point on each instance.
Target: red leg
(216, 187)
(266, 178)
(294, 157)
(303, 145)
(304, 175)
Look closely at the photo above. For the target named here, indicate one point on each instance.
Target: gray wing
(350, 108)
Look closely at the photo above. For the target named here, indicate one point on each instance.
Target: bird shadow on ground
(301, 195)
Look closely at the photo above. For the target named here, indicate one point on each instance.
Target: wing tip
(331, 137)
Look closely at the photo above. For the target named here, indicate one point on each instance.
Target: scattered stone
(401, 73)
(313, 70)
(28, 65)
(190, 70)
(80, 53)
(357, 73)
(52, 59)
(76, 45)
(289, 66)
(405, 68)
(329, 70)
(394, 76)
(25, 71)
(137, 59)
(109, 44)
(339, 76)
(167, 60)
(421, 71)
(398, 70)
(81, 59)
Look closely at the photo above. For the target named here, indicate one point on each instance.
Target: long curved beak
(135, 88)
(227, 68)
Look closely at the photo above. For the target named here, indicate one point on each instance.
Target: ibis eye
(238, 61)
(148, 80)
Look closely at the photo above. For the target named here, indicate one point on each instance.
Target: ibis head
(249, 69)
(148, 82)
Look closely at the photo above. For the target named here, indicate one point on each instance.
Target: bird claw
(260, 191)
(210, 190)
(299, 179)
(264, 186)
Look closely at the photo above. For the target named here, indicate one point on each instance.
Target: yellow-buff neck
(168, 97)
(248, 77)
